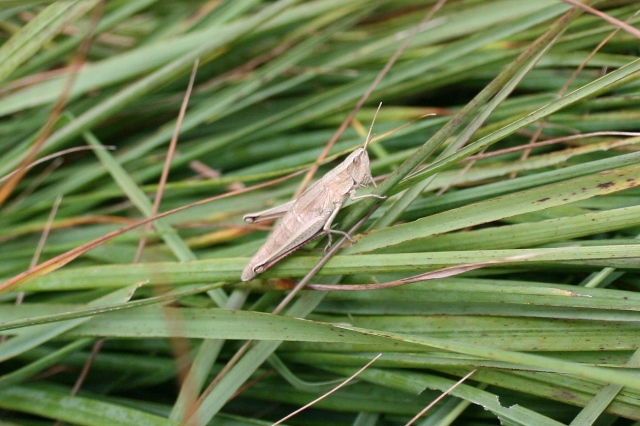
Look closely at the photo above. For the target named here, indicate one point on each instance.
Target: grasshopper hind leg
(327, 226)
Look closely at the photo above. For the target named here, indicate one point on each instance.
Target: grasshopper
(311, 215)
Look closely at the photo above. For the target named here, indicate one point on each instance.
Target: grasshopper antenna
(366, 142)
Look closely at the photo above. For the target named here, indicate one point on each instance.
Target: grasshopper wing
(299, 225)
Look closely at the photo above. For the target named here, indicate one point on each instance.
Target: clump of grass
(513, 209)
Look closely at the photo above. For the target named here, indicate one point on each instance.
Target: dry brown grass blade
(169, 157)
(438, 399)
(432, 275)
(56, 155)
(618, 23)
(76, 63)
(340, 386)
(553, 141)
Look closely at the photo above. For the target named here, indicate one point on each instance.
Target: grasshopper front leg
(353, 196)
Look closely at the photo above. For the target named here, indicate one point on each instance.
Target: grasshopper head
(359, 168)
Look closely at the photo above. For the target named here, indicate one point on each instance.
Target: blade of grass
(38, 32)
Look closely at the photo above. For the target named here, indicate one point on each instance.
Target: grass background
(546, 317)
